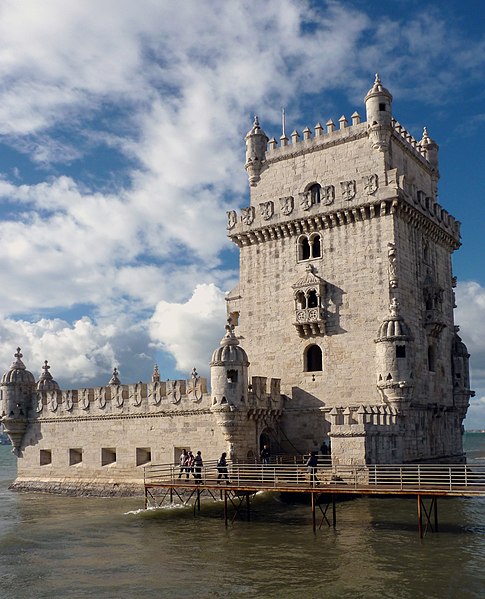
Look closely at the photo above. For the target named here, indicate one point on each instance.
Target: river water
(77, 548)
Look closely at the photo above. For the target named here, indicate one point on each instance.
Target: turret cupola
(393, 359)
(256, 142)
(378, 106)
(430, 149)
(229, 371)
(46, 382)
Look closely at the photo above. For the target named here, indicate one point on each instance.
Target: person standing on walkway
(190, 464)
(183, 463)
(222, 467)
(265, 454)
(312, 464)
(198, 463)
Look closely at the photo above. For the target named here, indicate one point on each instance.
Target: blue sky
(121, 148)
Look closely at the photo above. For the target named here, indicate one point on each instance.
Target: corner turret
(16, 392)
(393, 359)
(378, 106)
(256, 142)
(229, 372)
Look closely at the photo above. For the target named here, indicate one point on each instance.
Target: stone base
(78, 488)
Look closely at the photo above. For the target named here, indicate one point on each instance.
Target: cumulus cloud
(187, 330)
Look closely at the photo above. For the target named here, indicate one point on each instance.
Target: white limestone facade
(343, 241)
(340, 330)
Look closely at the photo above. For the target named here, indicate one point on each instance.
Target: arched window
(304, 248)
(300, 301)
(312, 299)
(316, 247)
(315, 193)
(314, 361)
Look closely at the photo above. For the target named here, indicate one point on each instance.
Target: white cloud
(470, 316)
(190, 331)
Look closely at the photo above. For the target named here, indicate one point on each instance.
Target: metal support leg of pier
(314, 524)
(146, 498)
(225, 508)
(432, 511)
(248, 508)
(334, 512)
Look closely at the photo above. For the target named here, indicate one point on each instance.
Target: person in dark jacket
(222, 467)
(198, 463)
(312, 464)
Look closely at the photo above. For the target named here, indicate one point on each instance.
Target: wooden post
(248, 508)
(334, 511)
(420, 521)
(146, 497)
(198, 500)
(225, 507)
(314, 524)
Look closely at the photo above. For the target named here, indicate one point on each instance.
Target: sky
(121, 149)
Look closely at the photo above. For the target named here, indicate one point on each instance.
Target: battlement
(332, 136)
(136, 399)
(363, 417)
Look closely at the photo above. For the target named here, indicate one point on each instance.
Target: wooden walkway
(165, 484)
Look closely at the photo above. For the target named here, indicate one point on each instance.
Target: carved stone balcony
(310, 321)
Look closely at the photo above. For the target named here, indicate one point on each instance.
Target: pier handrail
(399, 477)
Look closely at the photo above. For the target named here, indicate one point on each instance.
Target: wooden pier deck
(165, 484)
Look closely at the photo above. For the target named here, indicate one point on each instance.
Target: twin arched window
(309, 246)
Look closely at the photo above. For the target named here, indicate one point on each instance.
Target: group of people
(190, 464)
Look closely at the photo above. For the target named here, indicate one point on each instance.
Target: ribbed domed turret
(46, 382)
(393, 327)
(378, 89)
(229, 351)
(18, 373)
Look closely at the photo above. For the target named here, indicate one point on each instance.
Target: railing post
(419, 483)
(451, 478)
(401, 478)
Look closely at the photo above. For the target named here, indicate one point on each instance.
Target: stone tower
(345, 289)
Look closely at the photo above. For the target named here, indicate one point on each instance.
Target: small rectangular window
(108, 456)
(400, 351)
(75, 456)
(382, 107)
(143, 456)
(45, 457)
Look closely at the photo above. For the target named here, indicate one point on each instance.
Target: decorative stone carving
(348, 189)
(83, 400)
(69, 401)
(231, 219)
(173, 392)
(248, 215)
(287, 205)
(371, 184)
(305, 200)
(267, 209)
(309, 293)
(392, 269)
(327, 195)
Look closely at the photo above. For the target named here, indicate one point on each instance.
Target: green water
(108, 548)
